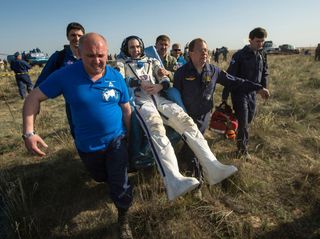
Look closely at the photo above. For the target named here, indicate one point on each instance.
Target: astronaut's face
(134, 48)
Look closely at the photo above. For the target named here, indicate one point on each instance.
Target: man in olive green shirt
(169, 62)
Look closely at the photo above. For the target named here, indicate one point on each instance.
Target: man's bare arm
(126, 111)
(31, 108)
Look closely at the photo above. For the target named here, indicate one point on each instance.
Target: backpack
(223, 121)
(60, 59)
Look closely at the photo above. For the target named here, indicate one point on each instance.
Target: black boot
(123, 222)
(243, 154)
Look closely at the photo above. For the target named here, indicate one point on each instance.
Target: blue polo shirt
(95, 109)
(51, 65)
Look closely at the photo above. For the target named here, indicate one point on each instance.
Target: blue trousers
(244, 107)
(24, 84)
(110, 165)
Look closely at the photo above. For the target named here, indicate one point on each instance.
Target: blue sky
(29, 24)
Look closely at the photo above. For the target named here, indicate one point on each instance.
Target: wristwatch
(28, 135)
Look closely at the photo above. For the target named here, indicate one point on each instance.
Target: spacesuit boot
(176, 184)
(214, 171)
(163, 152)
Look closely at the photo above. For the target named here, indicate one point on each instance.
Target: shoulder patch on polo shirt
(190, 78)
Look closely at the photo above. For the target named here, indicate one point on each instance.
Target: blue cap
(16, 54)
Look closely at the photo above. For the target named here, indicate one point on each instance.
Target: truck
(270, 48)
(33, 57)
(36, 57)
(288, 49)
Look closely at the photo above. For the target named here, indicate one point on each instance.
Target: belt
(22, 73)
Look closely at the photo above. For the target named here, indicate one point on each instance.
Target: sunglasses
(177, 49)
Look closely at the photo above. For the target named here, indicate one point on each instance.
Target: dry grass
(274, 195)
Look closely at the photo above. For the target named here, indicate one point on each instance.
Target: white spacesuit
(153, 111)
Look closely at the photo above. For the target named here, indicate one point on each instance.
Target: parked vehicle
(34, 57)
(288, 49)
(10, 58)
(270, 48)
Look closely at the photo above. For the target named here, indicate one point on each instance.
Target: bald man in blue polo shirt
(98, 99)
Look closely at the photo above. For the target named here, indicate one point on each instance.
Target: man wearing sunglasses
(177, 53)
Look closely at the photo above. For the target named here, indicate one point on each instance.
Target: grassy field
(275, 195)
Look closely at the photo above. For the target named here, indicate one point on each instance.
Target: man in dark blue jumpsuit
(249, 63)
(63, 58)
(21, 68)
(197, 81)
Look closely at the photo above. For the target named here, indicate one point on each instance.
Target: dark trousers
(244, 107)
(69, 117)
(139, 142)
(190, 163)
(4, 219)
(24, 84)
(110, 166)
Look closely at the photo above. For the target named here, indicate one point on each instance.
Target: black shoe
(143, 161)
(123, 222)
(197, 194)
(243, 154)
(247, 156)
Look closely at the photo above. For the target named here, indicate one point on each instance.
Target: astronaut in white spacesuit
(153, 111)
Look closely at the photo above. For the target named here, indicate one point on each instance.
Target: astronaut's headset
(124, 45)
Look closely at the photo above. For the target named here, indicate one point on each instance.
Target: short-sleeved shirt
(51, 65)
(95, 106)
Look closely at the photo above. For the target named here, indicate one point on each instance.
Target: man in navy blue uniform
(99, 103)
(65, 57)
(249, 63)
(21, 68)
(197, 81)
